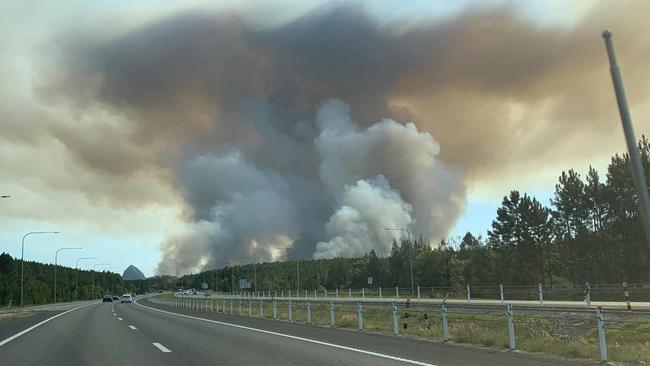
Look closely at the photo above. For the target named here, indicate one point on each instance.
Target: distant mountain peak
(133, 273)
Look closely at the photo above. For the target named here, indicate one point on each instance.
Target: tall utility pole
(635, 158)
(56, 264)
(22, 261)
(76, 272)
(410, 252)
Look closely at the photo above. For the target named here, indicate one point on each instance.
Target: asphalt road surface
(151, 334)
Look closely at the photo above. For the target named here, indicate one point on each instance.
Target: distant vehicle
(160, 291)
(108, 298)
(116, 298)
(127, 298)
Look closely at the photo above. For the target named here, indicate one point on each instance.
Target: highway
(145, 333)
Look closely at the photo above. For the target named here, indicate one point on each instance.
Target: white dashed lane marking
(161, 347)
(132, 327)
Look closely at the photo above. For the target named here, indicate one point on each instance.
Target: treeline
(39, 283)
(590, 231)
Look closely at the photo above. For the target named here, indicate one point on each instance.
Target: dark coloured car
(108, 298)
(116, 298)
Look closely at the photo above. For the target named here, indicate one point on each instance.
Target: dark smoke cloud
(233, 109)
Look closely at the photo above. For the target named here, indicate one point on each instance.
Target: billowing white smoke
(405, 159)
(358, 226)
(367, 179)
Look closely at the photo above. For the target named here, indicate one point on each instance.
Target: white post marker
(469, 295)
(541, 294)
(602, 342)
(501, 293)
(511, 327)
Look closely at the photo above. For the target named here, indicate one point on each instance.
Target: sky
(177, 136)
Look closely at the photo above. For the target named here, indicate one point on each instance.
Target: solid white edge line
(381, 355)
(132, 327)
(2, 343)
(161, 347)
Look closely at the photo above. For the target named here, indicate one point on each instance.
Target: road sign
(370, 280)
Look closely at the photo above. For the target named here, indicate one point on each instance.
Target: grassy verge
(569, 335)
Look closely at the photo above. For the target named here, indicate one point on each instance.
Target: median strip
(161, 347)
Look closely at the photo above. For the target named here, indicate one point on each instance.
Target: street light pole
(635, 158)
(56, 264)
(76, 272)
(93, 275)
(22, 261)
(410, 253)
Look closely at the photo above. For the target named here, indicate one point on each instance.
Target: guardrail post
(282, 293)
(588, 293)
(602, 342)
(261, 309)
(395, 325)
(223, 309)
(397, 293)
(511, 327)
(289, 293)
(337, 294)
(218, 307)
(250, 309)
(231, 307)
(380, 292)
(363, 293)
(541, 294)
(326, 293)
(349, 293)
(418, 293)
(360, 315)
(627, 296)
(332, 320)
(445, 323)
(469, 295)
(501, 293)
(275, 310)
(290, 313)
(308, 312)
(315, 294)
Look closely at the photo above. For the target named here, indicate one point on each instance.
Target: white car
(126, 298)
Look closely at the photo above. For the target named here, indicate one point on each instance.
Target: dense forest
(39, 283)
(590, 231)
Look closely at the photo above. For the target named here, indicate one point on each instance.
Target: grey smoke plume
(244, 210)
(232, 113)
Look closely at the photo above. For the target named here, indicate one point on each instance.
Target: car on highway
(108, 298)
(126, 299)
(116, 298)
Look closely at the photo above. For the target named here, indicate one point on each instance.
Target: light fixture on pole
(76, 272)
(56, 264)
(22, 261)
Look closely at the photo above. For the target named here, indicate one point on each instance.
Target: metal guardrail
(393, 313)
